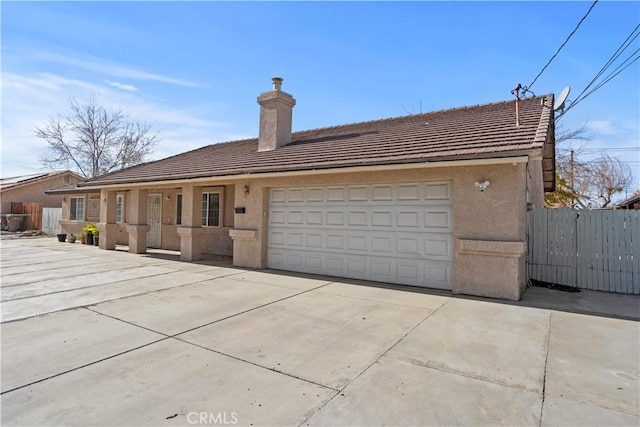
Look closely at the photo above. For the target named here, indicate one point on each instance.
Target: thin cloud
(115, 70)
(603, 127)
(128, 88)
(29, 100)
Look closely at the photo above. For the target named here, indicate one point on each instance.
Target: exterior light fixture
(482, 185)
(246, 190)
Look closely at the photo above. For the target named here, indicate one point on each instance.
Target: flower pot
(62, 237)
(90, 239)
(83, 240)
(72, 239)
(96, 241)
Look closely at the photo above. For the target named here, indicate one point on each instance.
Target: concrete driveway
(94, 337)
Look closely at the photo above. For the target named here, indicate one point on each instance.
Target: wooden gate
(589, 249)
(34, 211)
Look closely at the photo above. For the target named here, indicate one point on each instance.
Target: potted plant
(62, 237)
(72, 238)
(89, 231)
(96, 238)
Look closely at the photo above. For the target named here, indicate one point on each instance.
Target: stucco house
(437, 200)
(32, 188)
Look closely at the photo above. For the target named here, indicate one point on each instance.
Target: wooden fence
(51, 220)
(589, 249)
(34, 211)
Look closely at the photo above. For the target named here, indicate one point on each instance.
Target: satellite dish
(559, 104)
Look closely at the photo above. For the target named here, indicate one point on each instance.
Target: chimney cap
(277, 83)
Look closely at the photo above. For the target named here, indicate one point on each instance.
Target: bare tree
(93, 140)
(581, 182)
(609, 176)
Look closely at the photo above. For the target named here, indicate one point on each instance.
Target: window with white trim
(210, 209)
(119, 207)
(76, 208)
(179, 209)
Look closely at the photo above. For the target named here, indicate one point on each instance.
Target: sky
(195, 69)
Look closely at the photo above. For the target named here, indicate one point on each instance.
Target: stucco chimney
(276, 109)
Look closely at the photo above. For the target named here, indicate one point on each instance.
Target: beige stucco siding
(35, 193)
(489, 227)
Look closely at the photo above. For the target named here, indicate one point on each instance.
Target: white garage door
(395, 233)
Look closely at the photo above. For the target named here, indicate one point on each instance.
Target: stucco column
(250, 227)
(107, 226)
(190, 231)
(138, 227)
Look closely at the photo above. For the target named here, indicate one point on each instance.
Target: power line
(621, 67)
(561, 46)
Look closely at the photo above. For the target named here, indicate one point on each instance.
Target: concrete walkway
(93, 337)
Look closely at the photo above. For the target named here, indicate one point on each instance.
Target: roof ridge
(444, 110)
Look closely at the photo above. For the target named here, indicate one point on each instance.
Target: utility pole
(573, 204)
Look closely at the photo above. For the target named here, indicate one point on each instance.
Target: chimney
(275, 117)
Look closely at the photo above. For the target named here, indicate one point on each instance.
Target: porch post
(190, 231)
(107, 226)
(138, 227)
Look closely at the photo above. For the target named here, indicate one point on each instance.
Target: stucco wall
(489, 227)
(91, 212)
(35, 193)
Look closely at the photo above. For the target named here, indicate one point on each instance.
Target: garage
(394, 233)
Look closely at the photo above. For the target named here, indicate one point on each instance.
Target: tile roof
(462, 133)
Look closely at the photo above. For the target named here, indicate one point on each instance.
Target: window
(119, 203)
(178, 209)
(76, 209)
(210, 209)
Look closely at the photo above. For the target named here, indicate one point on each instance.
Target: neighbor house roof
(23, 180)
(629, 202)
(462, 133)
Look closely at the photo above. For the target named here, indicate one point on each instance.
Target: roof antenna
(516, 92)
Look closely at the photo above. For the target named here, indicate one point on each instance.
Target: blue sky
(195, 68)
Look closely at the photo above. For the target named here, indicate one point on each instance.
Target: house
(32, 189)
(632, 202)
(437, 200)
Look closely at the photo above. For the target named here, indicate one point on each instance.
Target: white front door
(393, 233)
(154, 219)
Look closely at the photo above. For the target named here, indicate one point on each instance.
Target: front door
(154, 219)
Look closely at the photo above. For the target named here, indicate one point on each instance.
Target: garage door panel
(358, 218)
(382, 218)
(277, 238)
(358, 194)
(438, 245)
(382, 244)
(335, 217)
(395, 233)
(438, 274)
(382, 193)
(437, 218)
(383, 269)
(440, 191)
(408, 192)
(277, 217)
(315, 195)
(358, 242)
